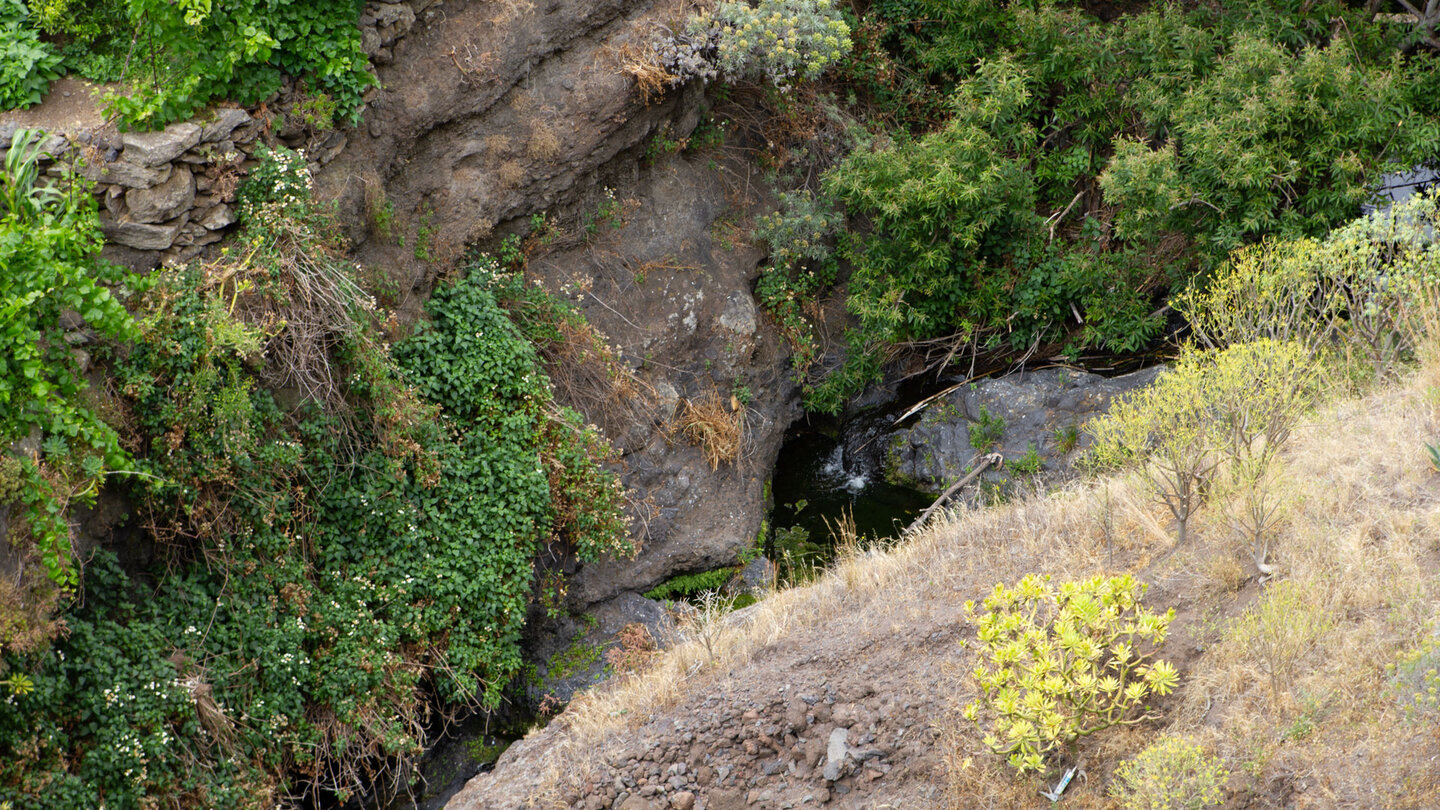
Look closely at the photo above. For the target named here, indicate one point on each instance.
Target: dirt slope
(859, 673)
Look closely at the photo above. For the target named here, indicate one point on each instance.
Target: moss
(486, 750)
(688, 585)
(578, 657)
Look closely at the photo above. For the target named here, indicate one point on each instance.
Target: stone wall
(164, 196)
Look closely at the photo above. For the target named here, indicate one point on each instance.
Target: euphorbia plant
(1058, 664)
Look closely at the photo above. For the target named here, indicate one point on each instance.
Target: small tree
(1279, 629)
(1168, 425)
(1059, 664)
(1258, 392)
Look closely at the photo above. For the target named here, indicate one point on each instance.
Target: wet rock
(1035, 419)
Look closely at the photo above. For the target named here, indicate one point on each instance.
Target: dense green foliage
(198, 52)
(47, 239)
(1074, 172)
(177, 57)
(27, 65)
(329, 571)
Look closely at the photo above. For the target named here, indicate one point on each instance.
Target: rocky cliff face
(491, 113)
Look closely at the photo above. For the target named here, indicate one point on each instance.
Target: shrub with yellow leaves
(1172, 774)
(1060, 663)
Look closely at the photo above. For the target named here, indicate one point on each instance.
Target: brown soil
(70, 106)
(743, 718)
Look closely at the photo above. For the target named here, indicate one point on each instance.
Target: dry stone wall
(164, 196)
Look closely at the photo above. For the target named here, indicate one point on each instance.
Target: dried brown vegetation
(716, 428)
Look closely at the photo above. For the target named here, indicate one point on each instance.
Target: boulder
(154, 149)
(164, 201)
(1034, 419)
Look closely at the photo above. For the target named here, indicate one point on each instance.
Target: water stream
(828, 471)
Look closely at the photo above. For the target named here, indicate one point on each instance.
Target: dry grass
(717, 429)
(1362, 541)
(642, 63)
(544, 144)
(510, 174)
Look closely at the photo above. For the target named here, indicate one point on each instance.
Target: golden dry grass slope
(1293, 694)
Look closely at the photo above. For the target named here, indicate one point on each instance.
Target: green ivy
(48, 242)
(193, 52)
(325, 570)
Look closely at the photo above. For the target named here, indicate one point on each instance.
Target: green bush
(48, 242)
(93, 36)
(777, 40)
(1064, 175)
(27, 65)
(1059, 664)
(802, 265)
(194, 52)
(1172, 774)
(327, 574)
(1279, 630)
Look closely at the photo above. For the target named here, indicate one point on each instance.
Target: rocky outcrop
(492, 113)
(1034, 419)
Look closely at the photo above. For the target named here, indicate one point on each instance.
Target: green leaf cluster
(1054, 177)
(190, 53)
(27, 65)
(1060, 663)
(48, 242)
(326, 572)
(802, 264)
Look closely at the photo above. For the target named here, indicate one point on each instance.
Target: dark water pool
(828, 472)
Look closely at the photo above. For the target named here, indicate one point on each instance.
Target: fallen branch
(986, 462)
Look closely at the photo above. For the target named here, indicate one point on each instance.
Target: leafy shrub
(1172, 774)
(1061, 175)
(1415, 680)
(27, 65)
(339, 570)
(1167, 427)
(802, 264)
(94, 36)
(1363, 290)
(48, 242)
(196, 52)
(778, 40)
(987, 431)
(1279, 630)
(1059, 664)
